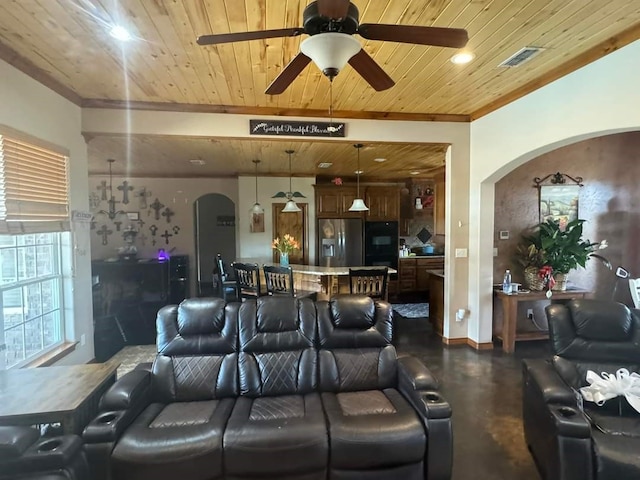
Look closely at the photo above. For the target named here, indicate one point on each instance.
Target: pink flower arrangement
(285, 245)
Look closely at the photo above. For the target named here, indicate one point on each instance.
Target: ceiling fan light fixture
(330, 51)
(291, 207)
(120, 33)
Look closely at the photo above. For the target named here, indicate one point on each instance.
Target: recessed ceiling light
(324, 165)
(462, 58)
(196, 161)
(120, 33)
(415, 173)
(359, 172)
(379, 160)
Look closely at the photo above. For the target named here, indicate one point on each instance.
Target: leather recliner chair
(24, 455)
(253, 391)
(571, 439)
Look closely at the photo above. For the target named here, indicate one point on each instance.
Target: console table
(67, 395)
(510, 301)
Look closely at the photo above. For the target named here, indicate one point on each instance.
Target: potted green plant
(550, 248)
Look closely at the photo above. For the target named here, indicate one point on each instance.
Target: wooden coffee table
(67, 395)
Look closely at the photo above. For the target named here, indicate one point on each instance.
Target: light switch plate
(461, 252)
(495, 252)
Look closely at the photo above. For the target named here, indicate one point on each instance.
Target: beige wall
(32, 108)
(598, 99)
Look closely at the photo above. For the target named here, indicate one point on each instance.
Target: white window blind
(34, 188)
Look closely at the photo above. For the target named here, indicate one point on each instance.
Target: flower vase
(284, 259)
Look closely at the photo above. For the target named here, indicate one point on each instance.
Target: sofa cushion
(616, 456)
(177, 440)
(276, 437)
(371, 402)
(367, 439)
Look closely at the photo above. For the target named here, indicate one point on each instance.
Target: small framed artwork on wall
(558, 200)
(133, 216)
(257, 222)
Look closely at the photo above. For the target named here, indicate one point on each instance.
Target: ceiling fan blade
(371, 71)
(288, 74)
(334, 9)
(280, 195)
(300, 195)
(243, 36)
(438, 36)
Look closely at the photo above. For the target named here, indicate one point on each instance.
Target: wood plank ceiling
(66, 45)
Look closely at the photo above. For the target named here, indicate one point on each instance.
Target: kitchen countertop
(434, 255)
(310, 269)
(437, 273)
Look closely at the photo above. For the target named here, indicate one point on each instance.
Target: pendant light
(358, 204)
(290, 206)
(257, 208)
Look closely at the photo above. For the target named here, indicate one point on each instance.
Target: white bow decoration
(608, 386)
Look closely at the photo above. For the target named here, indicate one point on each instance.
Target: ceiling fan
(330, 25)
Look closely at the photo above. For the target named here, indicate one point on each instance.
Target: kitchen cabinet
(334, 202)
(412, 272)
(383, 203)
(439, 205)
(436, 302)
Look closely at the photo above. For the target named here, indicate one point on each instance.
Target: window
(30, 295)
(34, 209)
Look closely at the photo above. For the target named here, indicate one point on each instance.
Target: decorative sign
(225, 221)
(296, 129)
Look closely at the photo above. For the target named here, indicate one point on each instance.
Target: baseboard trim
(480, 346)
(454, 342)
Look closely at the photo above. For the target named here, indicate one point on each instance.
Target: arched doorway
(215, 232)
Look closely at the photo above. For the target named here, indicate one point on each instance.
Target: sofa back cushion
(355, 351)
(597, 335)
(197, 351)
(277, 353)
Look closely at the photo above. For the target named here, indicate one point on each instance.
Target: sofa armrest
(119, 407)
(131, 390)
(414, 374)
(419, 387)
(540, 374)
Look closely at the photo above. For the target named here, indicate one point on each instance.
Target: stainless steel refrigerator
(340, 242)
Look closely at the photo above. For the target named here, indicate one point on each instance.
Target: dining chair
(279, 281)
(634, 286)
(369, 281)
(247, 279)
(223, 282)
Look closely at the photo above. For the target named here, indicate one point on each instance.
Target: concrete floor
(484, 390)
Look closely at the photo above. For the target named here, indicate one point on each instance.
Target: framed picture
(559, 202)
(134, 216)
(257, 223)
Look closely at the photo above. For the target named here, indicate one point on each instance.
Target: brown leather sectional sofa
(277, 388)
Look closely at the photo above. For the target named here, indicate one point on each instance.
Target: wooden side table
(67, 395)
(510, 301)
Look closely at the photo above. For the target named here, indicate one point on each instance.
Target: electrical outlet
(530, 313)
(460, 314)
(83, 339)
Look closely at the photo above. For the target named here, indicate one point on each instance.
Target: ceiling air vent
(324, 165)
(521, 56)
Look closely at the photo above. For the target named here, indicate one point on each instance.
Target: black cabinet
(127, 297)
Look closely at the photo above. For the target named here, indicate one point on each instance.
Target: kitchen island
(326, 281)
(436, 299)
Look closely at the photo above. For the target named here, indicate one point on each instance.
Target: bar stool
(247, 279)
(369, 281)
(280, 282)
(226, 286)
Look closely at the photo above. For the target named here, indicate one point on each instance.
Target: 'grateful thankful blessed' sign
(296, 129)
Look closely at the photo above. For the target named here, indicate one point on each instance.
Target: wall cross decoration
(143, 239)
(168, 213)
(104, 232)
(153, 229)
(166, 236)
(142, 196)
(103, 188)
(176, 229)
(156, 206)
(118, 224)
(125, 188)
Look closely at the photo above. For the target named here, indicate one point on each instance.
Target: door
(295, 224)
(215, 233)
